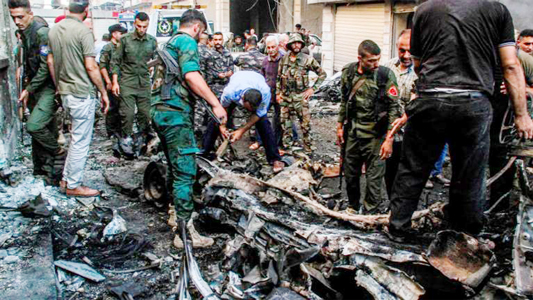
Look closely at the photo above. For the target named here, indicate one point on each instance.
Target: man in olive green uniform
(38, 93)
(293, 91)
(173, 116)
(238, 45)
(112, 120)
(130, 61)
(368, 108)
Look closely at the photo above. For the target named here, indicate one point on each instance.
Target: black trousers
(262, 126)
(392, 166)
(463, 121)
(112, 119)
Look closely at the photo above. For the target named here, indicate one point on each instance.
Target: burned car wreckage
(288, 242)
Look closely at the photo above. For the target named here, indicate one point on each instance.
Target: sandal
(254, 146)
(278, 166)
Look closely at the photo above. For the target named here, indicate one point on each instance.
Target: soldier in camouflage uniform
(112, 120)
(252, 60)
(173, 119)
(38, 92)
(293, 91)
(130, 61)
(204, 52)
(219, 66)
(238, 45)
(200, 115)
(369, 106)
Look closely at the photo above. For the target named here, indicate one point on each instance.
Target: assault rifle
(21, 110)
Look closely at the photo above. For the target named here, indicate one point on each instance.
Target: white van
(163, 23)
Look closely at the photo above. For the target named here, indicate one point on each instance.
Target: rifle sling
(172, 74)
(358, 84)
(356, 87)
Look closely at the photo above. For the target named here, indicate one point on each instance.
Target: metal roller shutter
(354, 24)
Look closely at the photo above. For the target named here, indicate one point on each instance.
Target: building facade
(345, 24)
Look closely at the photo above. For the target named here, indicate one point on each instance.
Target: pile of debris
(281, 236)
(287, 245)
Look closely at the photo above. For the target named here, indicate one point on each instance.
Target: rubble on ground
(283, 236)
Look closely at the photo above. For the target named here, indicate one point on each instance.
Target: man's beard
(197, 37)
(296, 50)
(368, 70)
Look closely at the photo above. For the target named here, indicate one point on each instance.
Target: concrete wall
(328, 37)
(222, 19)
(292, 12)
(210, 11)
(285, 15)
(9, 124)
(312, 17)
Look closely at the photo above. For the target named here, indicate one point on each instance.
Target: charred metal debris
(284, 234)
(281, 236)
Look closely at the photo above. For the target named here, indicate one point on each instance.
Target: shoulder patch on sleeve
(393, 91)
(44, 50)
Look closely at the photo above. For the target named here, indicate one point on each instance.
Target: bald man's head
(404, 48)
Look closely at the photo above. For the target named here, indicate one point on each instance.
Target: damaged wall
(9, 124)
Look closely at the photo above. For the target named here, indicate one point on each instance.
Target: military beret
(117, 27)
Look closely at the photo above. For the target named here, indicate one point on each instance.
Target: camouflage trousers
(294, 106)
(217, 89)
(180, 150)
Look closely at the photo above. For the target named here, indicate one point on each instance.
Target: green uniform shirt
(362, 114)
(70, 42)
(184, 50)
(131, 58)
(526, 61)
(35, 49)
(107, 55)
(237, 48)
(293, 77)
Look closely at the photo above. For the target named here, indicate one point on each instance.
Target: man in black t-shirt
(455, 47)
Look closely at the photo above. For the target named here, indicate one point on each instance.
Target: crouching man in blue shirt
(249, 90)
